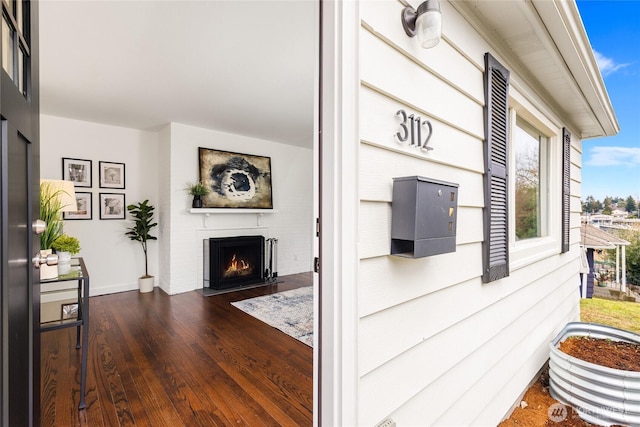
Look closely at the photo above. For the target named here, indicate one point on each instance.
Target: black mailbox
(423, 221)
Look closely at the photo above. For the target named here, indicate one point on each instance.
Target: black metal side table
(78, 273)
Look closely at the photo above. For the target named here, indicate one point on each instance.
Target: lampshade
(429, 24)
(65, 192)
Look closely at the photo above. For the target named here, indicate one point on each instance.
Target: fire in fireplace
(233, 261)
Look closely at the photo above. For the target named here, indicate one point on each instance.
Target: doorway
(93, 129)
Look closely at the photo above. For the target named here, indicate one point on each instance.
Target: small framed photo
(69, 311)
(112, 206)
(111, 175)
(77, 171)
(85, 208)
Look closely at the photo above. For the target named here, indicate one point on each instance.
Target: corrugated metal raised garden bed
(601, 395)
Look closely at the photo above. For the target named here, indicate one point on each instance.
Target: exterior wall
(436, 346)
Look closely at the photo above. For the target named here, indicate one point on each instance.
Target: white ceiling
(244, 67)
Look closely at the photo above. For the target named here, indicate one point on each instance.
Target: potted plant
(51, 213)
(142, 213)
(197, 190)
(65, 246)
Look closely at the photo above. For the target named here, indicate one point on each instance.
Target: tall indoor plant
(142, 213)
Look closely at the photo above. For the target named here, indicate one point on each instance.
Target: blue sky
(611, 165)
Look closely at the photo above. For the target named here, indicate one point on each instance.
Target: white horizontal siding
(378, 167)
(441, 369)
(391, 281)
(410, 83)
(435, 344)
(444, 61)
(379, 124)
(375, 228)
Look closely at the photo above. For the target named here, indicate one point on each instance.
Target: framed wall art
(111, 175)
(85, 208)
(69, 311)
(240, 181)
(77, 171)
(112, 206)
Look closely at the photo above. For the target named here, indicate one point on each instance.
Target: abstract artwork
(235, 180)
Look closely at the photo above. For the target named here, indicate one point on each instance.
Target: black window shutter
(495, 249)
(566, 188)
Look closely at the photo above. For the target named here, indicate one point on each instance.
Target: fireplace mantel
(207, 211)
(221, 211)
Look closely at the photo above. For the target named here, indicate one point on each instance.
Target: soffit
(243, 67)
(545, 42)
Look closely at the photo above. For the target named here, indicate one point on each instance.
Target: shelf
(208, 211)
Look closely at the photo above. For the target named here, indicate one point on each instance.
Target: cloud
(614, 156)
(607, 65)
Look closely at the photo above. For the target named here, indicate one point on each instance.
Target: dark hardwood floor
(181, 360)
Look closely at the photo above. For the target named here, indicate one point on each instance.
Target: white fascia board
(564, 24)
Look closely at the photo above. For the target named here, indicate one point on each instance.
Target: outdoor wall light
(426, 23)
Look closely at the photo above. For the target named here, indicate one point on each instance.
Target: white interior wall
(292, 182)
(158, 166)
(114, 262)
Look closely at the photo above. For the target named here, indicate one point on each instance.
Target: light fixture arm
(409, 16)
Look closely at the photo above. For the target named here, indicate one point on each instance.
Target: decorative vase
(64, 262)
(197, 201)
(47, 271)
(145, 284)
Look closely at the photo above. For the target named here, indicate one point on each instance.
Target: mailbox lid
(423, 208)
(424, 213)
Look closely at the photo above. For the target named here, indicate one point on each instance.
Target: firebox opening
(231, 262)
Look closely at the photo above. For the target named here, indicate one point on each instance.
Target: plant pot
(601, 395)
(197, 201)
(146, 283)
(47, 271)
(64, 262)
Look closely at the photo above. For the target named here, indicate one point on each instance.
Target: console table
(78, 274)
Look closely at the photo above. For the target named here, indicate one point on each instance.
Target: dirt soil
(619, 355)
(537, 406)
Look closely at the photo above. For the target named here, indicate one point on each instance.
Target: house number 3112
(411, 130)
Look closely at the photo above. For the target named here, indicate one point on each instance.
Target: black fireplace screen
(233, 261)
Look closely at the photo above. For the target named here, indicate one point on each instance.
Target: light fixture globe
(429, 24)
(426, 23)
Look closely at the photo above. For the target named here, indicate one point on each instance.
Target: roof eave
(564, 24)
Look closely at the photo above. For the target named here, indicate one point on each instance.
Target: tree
(589, 205)
(592, 205)
(527, 191)
(631, 205)
(607, 206)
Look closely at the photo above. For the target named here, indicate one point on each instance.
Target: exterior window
(527, 180)
(530, 153)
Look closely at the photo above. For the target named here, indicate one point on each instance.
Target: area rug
(289, 311)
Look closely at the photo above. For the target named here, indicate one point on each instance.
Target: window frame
(524, 252)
